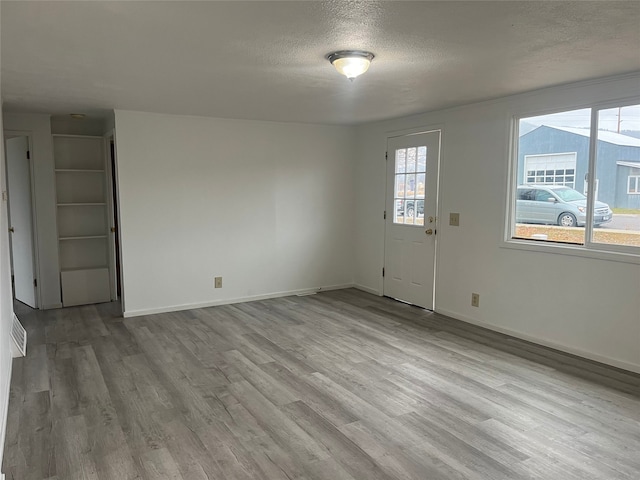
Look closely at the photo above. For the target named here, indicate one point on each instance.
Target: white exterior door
(411, 206)
(20, 218)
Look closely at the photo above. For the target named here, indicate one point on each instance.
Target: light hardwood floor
(339, 385)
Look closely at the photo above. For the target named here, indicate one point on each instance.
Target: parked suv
(557, 205)
(410, 208)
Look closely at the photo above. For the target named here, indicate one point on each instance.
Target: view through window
(553, 178)
(409, 185)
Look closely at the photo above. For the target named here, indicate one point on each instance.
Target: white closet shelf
(80, 204)
(78, 269)
(82, 237)
(79, 170)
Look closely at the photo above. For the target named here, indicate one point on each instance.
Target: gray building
(560, 156)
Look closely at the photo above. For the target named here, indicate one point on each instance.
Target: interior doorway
(21, 219)
(114, 219)
(410, 218)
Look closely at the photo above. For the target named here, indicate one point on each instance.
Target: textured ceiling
(266, 60)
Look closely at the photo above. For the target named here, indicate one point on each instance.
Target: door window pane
(398, 212)
(400, 180)
(420, 187)
(410, 185)
(422, 159)
(419, 212)
(616, 214)
(410, 190)
(411, 160)
(401, 157)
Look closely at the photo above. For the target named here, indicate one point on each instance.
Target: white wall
(38, 126)
(582, 305)
(6, 303)
(268, 206)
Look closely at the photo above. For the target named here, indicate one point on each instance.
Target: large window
(558, 158)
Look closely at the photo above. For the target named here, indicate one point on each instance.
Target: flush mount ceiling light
(77, 116)
(351, 63)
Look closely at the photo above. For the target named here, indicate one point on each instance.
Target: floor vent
(19, 335)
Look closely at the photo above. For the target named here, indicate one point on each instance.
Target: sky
(608, 119)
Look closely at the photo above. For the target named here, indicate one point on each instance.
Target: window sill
(573, 250)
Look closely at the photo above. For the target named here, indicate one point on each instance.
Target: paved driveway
(622, 221)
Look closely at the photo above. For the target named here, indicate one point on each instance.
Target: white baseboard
(370, 290)
(52, 306)
(228, 301)
(632, 367)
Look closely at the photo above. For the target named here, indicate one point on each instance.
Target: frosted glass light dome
(351, 63)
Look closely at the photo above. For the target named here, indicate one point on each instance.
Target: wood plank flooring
(341, 385)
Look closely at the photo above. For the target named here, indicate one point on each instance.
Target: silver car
(557, 205)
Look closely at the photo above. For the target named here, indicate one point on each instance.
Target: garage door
(551, 169)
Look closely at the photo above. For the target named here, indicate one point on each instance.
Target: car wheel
(567, 220)
(409, 212)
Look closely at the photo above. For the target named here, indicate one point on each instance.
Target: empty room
(320, 240)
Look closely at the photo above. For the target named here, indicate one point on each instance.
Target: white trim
(366, 289)
(4, 414)
(115, 179)
(632, 367)
(227, 301)
(613, 253)
(622, 163)
(76, 136)
(110, 184)
(52, 306)
(408, 132)
(590, 177)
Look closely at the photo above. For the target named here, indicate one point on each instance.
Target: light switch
(454, 219)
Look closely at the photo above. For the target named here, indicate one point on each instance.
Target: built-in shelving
(81, 191)
(81, 237)
(80, 269)
(77, 204)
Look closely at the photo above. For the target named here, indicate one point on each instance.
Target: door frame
(8, 134)
(405, 133)
(111, 168)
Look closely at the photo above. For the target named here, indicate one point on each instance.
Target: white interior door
(411, 206)
(20, 220)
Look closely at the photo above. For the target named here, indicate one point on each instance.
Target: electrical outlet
(454, 219)
(218, 282)
(475, 299)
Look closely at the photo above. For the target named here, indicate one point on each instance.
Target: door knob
(11, 229)
(429, 232)
(430, 219)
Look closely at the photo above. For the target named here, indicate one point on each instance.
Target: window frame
(637, 180)
(415, 199)
(590, 249)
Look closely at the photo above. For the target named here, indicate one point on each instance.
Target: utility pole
(619, 118)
